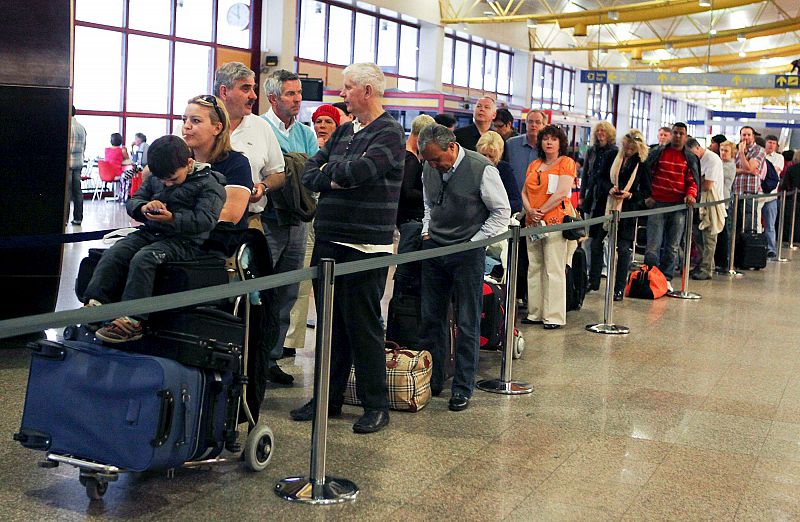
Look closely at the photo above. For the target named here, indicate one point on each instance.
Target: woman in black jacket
(626, 187)
(592, 199)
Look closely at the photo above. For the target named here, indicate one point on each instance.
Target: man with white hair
(485, 111)
(358, 175)
(712, 218)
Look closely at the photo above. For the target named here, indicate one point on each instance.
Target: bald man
(485, 112)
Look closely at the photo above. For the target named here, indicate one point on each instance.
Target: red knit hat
(326, 110)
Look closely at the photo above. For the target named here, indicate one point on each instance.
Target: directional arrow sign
(787, 81)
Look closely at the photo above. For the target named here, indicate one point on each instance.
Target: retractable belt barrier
(94, 314)
(317, 487)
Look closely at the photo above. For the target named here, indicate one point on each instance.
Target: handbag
(646, 283)
(572, 234)
(408, 379)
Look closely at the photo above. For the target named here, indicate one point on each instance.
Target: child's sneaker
(121, 330)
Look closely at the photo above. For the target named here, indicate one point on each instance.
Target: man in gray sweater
(464, 201)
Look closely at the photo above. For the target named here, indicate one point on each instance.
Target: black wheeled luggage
(577, 280)
(201, 337)
(751, 246)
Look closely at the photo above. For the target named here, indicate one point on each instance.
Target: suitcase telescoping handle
(164, 418)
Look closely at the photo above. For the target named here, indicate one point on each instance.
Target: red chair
(109, 173)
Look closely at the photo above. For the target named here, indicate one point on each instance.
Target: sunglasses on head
(634, 137)
(212, 100)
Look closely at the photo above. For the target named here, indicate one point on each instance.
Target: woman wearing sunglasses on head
(627, 186)
(206, 129)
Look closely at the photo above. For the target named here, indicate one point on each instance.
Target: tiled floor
(693, 416)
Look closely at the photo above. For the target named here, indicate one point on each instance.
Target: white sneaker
(669, 287)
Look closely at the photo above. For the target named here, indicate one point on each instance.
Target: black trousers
(358, 338)
(134, 259)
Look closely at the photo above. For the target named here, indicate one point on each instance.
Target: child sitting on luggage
(179, 205)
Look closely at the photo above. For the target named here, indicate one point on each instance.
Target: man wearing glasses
(464, 201)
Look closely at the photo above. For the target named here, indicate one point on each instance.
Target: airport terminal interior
(692, 413)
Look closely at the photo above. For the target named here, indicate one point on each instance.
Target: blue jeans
(459, 275)
(666, 228)
(287, 246)
(769, 212)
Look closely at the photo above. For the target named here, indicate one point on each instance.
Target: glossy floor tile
(695, 415)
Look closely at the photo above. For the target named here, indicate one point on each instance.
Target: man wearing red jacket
(675, 176)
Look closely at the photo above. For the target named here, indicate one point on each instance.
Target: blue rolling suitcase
(133, 411)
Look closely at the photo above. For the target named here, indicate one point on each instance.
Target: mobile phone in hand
(153, 211)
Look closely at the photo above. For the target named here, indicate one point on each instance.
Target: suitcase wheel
(71, 333)
(258, 448)
(95, 489)
(519, 345)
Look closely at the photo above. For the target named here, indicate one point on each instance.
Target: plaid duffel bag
(408, 379)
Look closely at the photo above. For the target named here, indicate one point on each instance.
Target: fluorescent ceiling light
(705, 3)
(741, 37)
(613, 15)
(712, 32)
(668, 46)
(531, 23)
(742, 54)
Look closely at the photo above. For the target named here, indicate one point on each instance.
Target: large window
(601, 98)
(640, 111)
(338, 33)
(669, 112)
(552, 86)
(137, 62)
(475, 63)
(692, 112)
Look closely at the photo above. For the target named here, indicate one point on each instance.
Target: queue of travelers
(437, 188)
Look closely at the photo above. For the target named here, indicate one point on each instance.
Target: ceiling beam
(692, 40)
(640, 12)
(717, 59)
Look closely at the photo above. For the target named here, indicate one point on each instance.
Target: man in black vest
(464, 201)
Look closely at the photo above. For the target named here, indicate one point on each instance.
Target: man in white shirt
(769, 210)
(251, 135)
(712, 218)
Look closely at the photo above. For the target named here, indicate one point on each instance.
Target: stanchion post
(608, 326)
(687, 260)
(733, 230)
(779, 254)
(504, 385)
(319, 488)
(794, 215)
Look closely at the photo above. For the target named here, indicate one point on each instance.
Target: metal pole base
(779, 260)
(302, 489)
(684, 295)
(505, 388)
(608, 329)
(794, 247)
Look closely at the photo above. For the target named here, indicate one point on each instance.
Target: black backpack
(577, 280)
(771, 180)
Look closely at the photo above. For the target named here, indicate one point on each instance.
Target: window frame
(640, 111)
(380, 16)
(485, 46)
(123, 113)
(543, 70)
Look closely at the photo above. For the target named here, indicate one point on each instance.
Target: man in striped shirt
(675, 176)
(750, 158)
